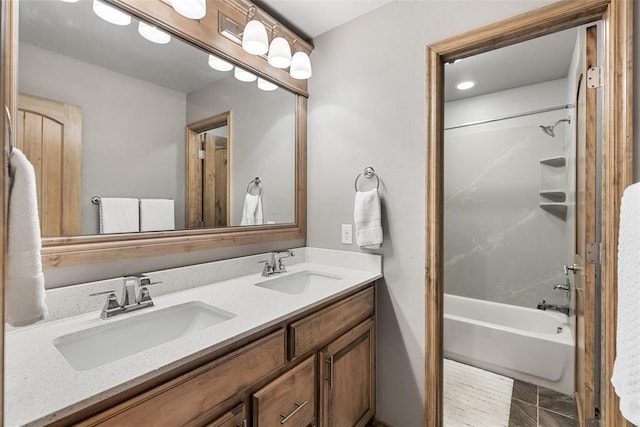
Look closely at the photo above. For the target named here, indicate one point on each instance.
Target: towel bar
(95, 200)
(368, 173)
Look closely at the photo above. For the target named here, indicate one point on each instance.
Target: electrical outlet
(347, 234)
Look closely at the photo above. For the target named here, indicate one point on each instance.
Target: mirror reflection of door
(208, 147)
(49, 133)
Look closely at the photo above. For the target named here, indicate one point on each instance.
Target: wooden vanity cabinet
(328, 378)
(347, 374)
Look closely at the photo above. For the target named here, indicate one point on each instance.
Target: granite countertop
(41, 386)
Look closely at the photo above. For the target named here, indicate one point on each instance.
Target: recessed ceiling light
(464, 85)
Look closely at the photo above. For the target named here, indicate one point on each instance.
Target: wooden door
(50, 135)
(584, 271)
(215, 182)
(347, 373)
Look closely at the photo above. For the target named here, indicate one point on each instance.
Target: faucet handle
(111, 304)
(102, 293)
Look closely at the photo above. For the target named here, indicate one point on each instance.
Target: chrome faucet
(135, 296)
(555, 307)
(274, 264)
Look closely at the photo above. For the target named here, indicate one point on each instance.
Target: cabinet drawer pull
(299, 406)
(244, 423)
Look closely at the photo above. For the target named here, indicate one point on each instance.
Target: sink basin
(300, 282)
(98, 346)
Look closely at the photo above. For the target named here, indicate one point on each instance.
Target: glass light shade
(192, 9)
(153, 34)
(300, 66)
(266, 85)
(219, 64)
(279, 53)
(254, 38)
(244, 75)
(70, 1)
(110, 13)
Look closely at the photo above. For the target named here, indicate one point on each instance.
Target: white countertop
(41, 386)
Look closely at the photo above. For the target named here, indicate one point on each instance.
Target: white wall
(499, 245)
(262, 142)
(367, 107)
(128, 126)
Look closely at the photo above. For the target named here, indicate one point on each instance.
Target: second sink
(299, 283)
(98, 346)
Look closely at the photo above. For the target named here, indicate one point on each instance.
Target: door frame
(616, 169)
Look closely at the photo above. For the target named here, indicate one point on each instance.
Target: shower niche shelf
(553, 196)
(555, 162)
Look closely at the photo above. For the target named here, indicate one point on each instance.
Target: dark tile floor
(533, 406)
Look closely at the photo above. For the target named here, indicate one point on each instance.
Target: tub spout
(555, 307)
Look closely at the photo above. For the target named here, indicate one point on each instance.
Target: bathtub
(523, 343)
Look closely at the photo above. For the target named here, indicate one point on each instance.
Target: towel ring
(96, 200)
(368, 173)
(258, 183)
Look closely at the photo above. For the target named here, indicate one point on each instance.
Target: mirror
(105, 113)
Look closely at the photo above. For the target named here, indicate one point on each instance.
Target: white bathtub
(522, 343)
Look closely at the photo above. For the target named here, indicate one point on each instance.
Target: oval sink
(98, 346)
(300, 282)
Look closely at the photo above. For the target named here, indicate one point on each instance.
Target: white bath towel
(119, 215)
(157, 215)
(252, 210)
(367, 217)
(626, 370)
(25, 294)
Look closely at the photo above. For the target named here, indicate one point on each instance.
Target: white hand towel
(367, 217)
(252, 210)
(119, 215)
(626, 370)
(157, 215)
(25, 294)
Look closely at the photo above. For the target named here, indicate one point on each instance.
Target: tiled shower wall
(499, 244)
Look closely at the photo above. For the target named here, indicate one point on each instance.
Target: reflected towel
(157, 215)
(25, 294)
(119, 215)
(626, 370)
(252, 210)
(367, 217)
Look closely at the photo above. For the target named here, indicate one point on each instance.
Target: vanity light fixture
(279, 50)
(153, 34)
(192, 9)
(254, 37)
(244, 75)
(464, 85)
(266, 85)
(300, 65)
(219, 64)
(70, 1)
(110, 13)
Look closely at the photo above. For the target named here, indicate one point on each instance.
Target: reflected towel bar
(258, 183)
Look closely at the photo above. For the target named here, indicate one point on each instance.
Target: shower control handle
(572, 267)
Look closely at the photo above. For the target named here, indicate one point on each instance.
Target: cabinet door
(347, 372)
(289, 400)
(234, 418)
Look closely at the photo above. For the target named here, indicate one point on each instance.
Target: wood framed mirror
(268, 137)
(616, 167)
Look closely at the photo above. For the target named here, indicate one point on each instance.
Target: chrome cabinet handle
(330, 379)
(299, 406)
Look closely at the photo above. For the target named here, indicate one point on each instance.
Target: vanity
(297, 348)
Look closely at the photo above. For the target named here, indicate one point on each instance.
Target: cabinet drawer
(289, 400)
(316, 329)
(234, 418)
(201, 394)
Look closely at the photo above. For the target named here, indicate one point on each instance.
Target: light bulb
(254, 38)
(279, 53)
(153, 34)
(300, 66)
(219, 64)
(192, 9)
(266, 85)
(110, 13)
(244, 75)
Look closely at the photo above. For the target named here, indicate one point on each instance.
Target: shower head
(549, 129)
